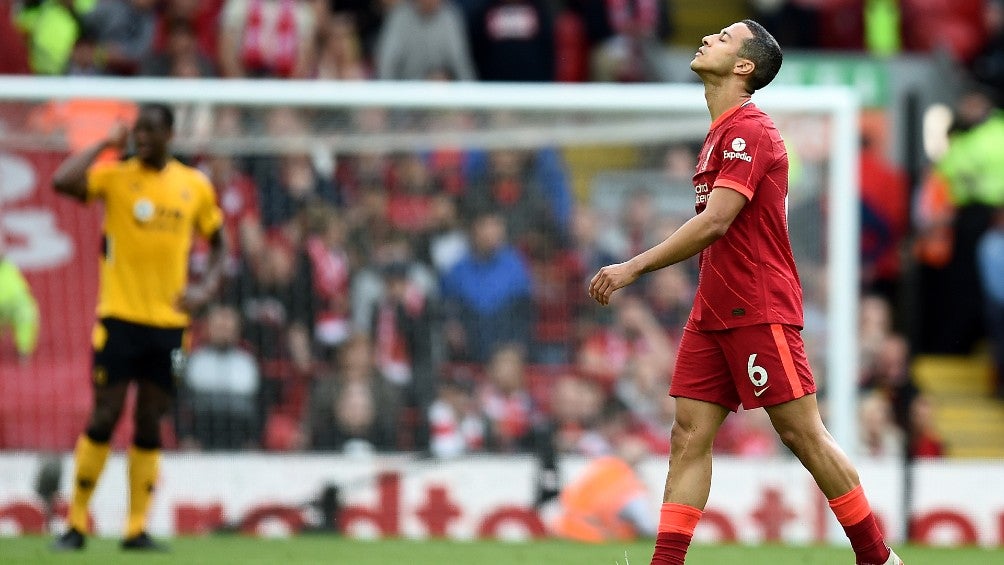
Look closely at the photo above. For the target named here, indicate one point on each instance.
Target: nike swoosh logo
(757, 393)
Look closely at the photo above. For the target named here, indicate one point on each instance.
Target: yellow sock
(89, 459)
(143, 464)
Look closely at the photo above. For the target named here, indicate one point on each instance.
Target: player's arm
(71, 176)
(724, 204)
(198, 295)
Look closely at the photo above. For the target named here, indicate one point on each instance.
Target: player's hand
(118, 136)
(194, 297)
(609, 279)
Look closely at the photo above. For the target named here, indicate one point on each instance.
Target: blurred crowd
(489, 40)
(435, 301)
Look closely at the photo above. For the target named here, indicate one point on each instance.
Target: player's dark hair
(765, 53)
(165, 111)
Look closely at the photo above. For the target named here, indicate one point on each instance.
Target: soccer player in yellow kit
(153, 207)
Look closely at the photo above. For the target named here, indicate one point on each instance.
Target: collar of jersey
(140, 165)
(728, 113)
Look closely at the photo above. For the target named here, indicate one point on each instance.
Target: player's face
(151, 136)
(719, 51)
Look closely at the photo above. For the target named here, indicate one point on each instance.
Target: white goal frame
(839, 103)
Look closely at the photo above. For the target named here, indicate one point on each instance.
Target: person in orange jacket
(608, 501)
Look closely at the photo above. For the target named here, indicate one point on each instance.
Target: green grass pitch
(339, 551)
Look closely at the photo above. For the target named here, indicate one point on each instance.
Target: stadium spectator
(410, 194)
(925, 441)
(123, 31)
(635, 229)
(955, 27)
(13, 43)
(575, 406)
(355, 409)
(51, 29)
(18, 309)
(447, 164)
(679, 163)
(641, 388)
(446, 240)
(291, 181)
(627, 38)
(219, 406)
(456, 425)
(506, 401)
(339, 53)
(793, 24)
(200, 16)
(276, 304)
(988, 66)
(367, 16)
(404, 338)
(634, 336)
(238, 198)
(421, 38)
(324, 244)
(368, 229)
(990, 259)
(510, 187)
(513, 41)
(657, 431)
(608, 501)
(879, 436)
(266, 38)
(368, 169)
(669, 293)
(291, 187)
(84, 59)
(180, 43)
(368, 283)
(874, 326)
(487, 295)
(591, 252)
(889, 377)
(885, 217)
(955, 209)
(543, 168)
(557, 300)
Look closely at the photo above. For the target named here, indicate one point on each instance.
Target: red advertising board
(44, 400)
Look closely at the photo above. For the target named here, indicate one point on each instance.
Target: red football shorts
(761, 365)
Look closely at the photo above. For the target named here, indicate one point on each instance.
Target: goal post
(554, 115)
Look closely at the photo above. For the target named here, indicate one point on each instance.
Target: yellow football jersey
(150, 219)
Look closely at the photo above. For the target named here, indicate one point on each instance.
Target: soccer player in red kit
(742, 344)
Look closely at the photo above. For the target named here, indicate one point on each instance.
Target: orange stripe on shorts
(786, 360)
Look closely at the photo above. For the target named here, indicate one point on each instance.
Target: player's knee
(147, 434)
(798, 439)
(688, 440)
(102, 424)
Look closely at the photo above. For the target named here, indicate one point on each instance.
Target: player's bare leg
(152, 403)
(688, 482)
(89, 461)
(801, 429)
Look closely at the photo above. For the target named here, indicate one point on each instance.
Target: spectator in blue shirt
(487, 293)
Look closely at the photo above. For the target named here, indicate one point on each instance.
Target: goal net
(365, 219)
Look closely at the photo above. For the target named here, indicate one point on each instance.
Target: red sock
(676, 529)
(855, 515)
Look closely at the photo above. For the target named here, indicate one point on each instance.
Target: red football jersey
(748, 276)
